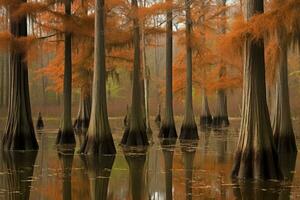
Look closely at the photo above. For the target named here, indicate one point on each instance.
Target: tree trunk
(146, 74)
(136, 135)
(82, 121)
(256, 155)
(66, 136)
(6, 80)
(168, 129)
(99, 170)
(221, 117)
(205, 116)
(99, 139)
(282, 123)
(189, 127)
(19, 131)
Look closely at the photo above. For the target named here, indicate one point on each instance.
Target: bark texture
(205, 116)
(67, 133)
(99, 170)
(256, 156)
(189, 127)
(99, 139)
(19, 131)
(168, 129)
(136, 134)
(82, 121)
(282, 123)
(221, 117)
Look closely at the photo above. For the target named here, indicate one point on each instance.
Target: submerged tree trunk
(168, 129)
(282, 123)
(256, 156)
(82, 121)
(221, 117)
(99, 139)
(205, 116)
(189, 127)
(19, 131)
(136, 135)
(66, 136)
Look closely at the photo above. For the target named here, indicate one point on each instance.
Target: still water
(166, 170)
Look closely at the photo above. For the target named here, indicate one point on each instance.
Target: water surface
(166, 170)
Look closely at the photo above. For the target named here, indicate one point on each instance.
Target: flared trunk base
(19, 141)
(103, 147)
(285, 143)
(40, 124)
(65, 137)
(257, 164)
(220, 121)
(134, 138)
(205, 121)
(167, 131)
(14, 138)
(189, 132)
(81, 125)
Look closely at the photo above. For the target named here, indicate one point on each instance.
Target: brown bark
(256, 156)
(205, 116)
(82, 121)
(221, 117)
(66, 136)
(284, 136)
(136, 135)
(19, 131)
(168, 129)
(189, 127)
(99, 139)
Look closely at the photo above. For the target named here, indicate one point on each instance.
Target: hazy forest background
(46, 63)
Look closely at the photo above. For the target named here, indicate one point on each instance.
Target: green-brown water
(198, 170)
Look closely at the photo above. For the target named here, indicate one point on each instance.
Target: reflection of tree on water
(136, 160)
(168, 146)
(18, 167)
(287, 163)
(99, 170)
(221, 145)
(66, 156)
(268, 190)
(188, 149)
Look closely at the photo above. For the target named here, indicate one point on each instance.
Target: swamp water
(166, 170)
